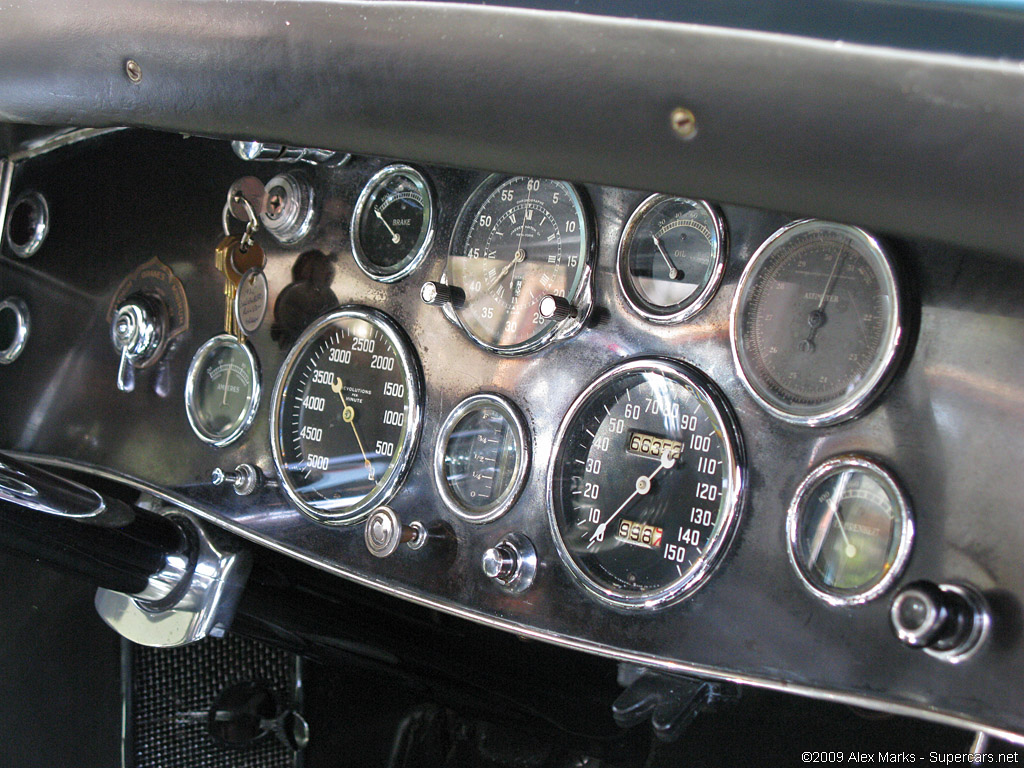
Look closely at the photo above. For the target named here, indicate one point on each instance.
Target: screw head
(684, 123)
(133, 70)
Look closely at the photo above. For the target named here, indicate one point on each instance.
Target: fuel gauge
(671, 258)
(482, 457)
(222, 392)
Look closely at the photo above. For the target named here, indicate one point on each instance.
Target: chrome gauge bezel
(366, 196)
(413, 380)
(582, 298)
(883, 368)
(732, 505)
(505, 502)
(892, 488)
(196, 369)
(625, 282)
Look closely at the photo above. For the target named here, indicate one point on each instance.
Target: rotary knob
(947, 620)
(438, 294)
(511, 563)
(384, 533)
(557, 308)
(137, 332)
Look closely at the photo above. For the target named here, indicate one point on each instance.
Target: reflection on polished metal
(290, 207)
(137, 330)
(266, 152)
(947, 621)
(37, 489)
(204, 606)
(15, 325)
(511, 563)
(384, 532)
(27, 224)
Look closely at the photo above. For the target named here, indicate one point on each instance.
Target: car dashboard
(921, 405)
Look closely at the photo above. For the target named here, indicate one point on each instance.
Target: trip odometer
(346, 416)
(645, 485)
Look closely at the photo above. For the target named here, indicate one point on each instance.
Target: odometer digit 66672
(346, 416)
(645, 484)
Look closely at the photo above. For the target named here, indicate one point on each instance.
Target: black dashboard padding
(904, 142)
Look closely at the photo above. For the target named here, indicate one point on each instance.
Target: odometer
(645, 484)
(346, 416)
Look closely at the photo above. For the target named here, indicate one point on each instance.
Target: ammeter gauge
(222, 391)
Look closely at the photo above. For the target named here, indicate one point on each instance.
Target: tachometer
(645, 485)
(816, 322)
(516, 241)
(347, 414)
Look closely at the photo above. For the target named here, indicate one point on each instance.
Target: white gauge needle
(518, 258)
(227, 380)
(349, 415)
(673, 273)
(817, 317)
(395, 237)
(643, 487)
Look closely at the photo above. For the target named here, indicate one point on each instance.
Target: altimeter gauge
(518, 242)
(817, 322)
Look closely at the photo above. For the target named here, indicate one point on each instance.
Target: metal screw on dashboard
(684, 123)
(133, 70)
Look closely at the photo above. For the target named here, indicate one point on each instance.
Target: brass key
(233, 262)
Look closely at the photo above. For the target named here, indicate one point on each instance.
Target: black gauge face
(645, 483)
(671, 257)
(346, 415)
(482, 458)
(850, 530)
(816, 322)
(222, 391)
(393, 223)
(517, 240)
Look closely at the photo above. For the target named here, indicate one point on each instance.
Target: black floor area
(60, 696)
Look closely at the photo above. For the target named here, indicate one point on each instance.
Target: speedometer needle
(395, 237)
(349, 415)
(643, 487)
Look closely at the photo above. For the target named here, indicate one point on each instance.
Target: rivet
(684, 123)
(133, 70)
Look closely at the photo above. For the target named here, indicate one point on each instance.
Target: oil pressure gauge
(222, 391)
(671, 258)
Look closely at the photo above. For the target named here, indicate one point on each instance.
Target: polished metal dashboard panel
(951, 427)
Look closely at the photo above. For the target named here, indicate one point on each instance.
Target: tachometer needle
(349, 415)
(673, 273)
(395, 237)
(643, 487)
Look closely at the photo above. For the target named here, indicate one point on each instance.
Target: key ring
(250, 227)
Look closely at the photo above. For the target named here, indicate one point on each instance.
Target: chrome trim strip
(834, 466)
(704, 297)
(60, 139)
(413, 379)
(357, 214)
(505, 502)
(730, 508)
(857, 700)
(6, 175)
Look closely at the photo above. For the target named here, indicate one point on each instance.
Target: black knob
(944, 619)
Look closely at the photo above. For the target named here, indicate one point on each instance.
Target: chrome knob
(556, 308)
(137, 332)
(438, 294)
(511, 563)
(947, 620)
(245, 480)
(384, 532)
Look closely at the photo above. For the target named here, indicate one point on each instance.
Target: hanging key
(233, 262)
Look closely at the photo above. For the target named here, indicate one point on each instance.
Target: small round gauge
(347, 414)
(850, 530)
(645, 484)
(393, 223)
(516, 241)
(222, 391)
(816, 322)
(671, 258)
(482, 458)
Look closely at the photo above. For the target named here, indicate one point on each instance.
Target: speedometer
(347, 413)
(517, 241)
(645, 485)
